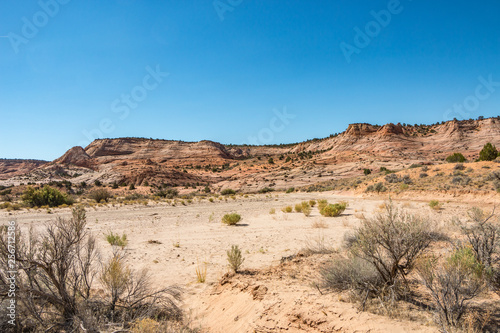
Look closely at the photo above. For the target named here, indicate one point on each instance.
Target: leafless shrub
(391, 242)
(483, 236)
(317, 245)
(353, 274)
(453, 284)
(57, 273)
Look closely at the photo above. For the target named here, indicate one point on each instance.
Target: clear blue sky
(232, 64)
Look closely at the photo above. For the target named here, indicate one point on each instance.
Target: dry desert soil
(275, 291)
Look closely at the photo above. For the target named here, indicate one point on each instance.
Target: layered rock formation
(137, 160)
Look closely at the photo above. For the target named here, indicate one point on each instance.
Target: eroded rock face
(15, 167)
(137, 160)
(75, 156)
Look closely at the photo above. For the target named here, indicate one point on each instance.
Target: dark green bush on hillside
(168, 193)
(228, 191)
(266, 190)
(100, 195)
(455, 158)
(46, 196)
(488, 153)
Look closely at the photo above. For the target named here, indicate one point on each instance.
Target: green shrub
(379, 187)
(290, 190)
(131, 187)
(117, 240)
(306, 210)
(434, 204)
(100, 195)
(266, 190)
(488, 153)
(270, 160)
(322, 204)
(455, 158)
(169, 193)
(234, 258)
(228, 191)
(231, 219)
(312, 203)
(298, 208)
(287, 209)
(46, 196)
(333, 210)
(367, 172)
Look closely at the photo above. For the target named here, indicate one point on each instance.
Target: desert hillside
(249, 168)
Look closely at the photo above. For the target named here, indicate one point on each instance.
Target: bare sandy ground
(192, 236)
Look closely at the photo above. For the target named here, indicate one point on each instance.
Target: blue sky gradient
(233, 65)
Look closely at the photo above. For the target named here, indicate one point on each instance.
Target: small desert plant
(319, 224)
(100, 195)
(306, 210)
(287, 209)
(434, 204)
(234, 258)
(453, 285)
(201, 273)
(461, 180)
(116, 240)
(312, 203)
(169, 193)
(266, 190)
(146, 325)
(367, 172)
(333, 210)
(322, 204)
(317, 245)
(298, 208)
(272, 211)
(379, 187)
(459, 166)
(392, 178)
(290, 190)
(228, 191)
(231, 219)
